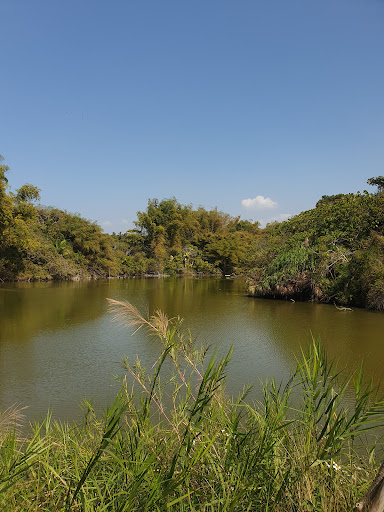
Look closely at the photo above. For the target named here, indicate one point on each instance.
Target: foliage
(378, 182)
(46, 243)
(182, 444)
(333, 253)
(182, 240)
(37, 242)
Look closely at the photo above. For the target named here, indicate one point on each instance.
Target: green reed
(181, 444)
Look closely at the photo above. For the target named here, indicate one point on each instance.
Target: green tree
(6, 207)
(24, 199)
(227, 251)
(378, 182)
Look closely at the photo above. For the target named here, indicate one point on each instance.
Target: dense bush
(333, 253)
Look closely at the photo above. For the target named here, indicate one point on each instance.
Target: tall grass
(181, 444)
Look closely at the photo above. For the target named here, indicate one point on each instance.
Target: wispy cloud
(124, 221)
(259, 203)
(106, 223)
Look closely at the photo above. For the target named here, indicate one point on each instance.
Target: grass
(181, 444)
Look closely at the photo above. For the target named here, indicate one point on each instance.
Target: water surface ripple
(58, 343)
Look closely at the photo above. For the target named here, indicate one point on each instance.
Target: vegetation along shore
(332, 253)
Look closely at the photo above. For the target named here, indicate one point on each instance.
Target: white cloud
(106, 223)
(259, 203)
(124, 221)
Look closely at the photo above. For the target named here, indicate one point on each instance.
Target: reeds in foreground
(177, 442)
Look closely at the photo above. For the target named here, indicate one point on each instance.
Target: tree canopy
(333, 253)
(378, 182)
(39, 242)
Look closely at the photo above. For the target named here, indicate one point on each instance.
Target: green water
(58, 343)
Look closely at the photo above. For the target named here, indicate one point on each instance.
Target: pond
(58, 343)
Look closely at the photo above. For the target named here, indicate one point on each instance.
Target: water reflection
(58, 344)
(28, 308)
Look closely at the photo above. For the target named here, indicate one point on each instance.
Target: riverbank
(97, 277)
(181, 443)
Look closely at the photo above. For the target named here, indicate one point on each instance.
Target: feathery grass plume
(11, 419)
(128, 315)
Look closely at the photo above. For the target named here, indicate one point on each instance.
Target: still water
(58, 343)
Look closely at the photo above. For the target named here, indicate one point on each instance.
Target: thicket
(46, 243)
(176, 239)
(180, 443)
(332, 253)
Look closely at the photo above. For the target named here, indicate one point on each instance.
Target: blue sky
(258, 107)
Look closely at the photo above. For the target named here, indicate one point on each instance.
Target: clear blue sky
(104, 104)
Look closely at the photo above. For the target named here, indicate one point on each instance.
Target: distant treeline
(332, 253)
(38, 243)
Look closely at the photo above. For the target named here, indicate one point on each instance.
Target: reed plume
(128, 315)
